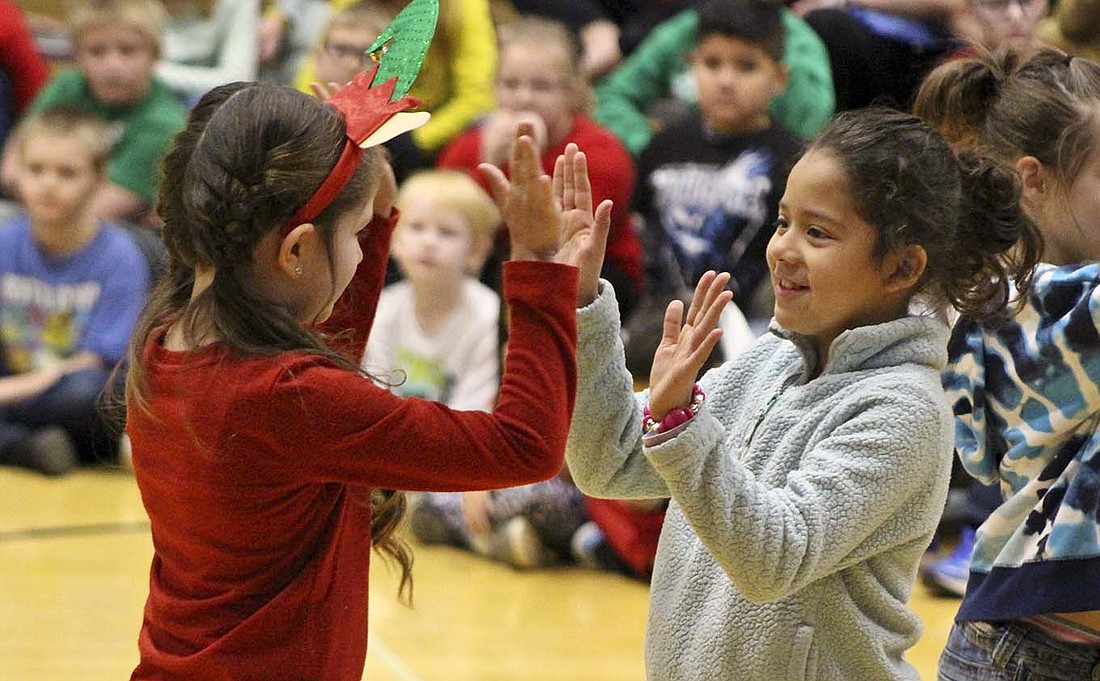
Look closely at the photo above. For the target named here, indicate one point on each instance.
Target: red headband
(337, 179)
(365, 110)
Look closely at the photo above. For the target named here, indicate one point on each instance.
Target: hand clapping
(552, 219)
(526, 200)
(684, 349)
(584, 236)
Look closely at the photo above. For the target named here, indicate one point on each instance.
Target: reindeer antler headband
(374, 104)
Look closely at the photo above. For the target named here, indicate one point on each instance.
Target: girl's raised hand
(684, 348)
(584, 233)
(386, 194)
(526, 200)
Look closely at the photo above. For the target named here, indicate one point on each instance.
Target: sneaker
(585, 543)
(49, 451)
(517, 544)
(949, 574)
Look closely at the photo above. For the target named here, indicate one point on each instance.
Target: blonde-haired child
(439, 324)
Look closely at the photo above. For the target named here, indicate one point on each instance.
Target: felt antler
(372, 115)
(374, 101)
(404, 43)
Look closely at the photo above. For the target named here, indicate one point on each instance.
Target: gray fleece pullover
(799, 508)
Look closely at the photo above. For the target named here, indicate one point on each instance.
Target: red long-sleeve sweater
(256, 474)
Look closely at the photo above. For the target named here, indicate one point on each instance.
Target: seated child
(709, 185)
(71, 288)
(455, 83)
(116, 45)
(655, 81)
(539, 81)
(439, 324)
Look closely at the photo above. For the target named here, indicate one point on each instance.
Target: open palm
(584, 233)
(686, 344)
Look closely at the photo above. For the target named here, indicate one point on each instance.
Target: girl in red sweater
(264, 457)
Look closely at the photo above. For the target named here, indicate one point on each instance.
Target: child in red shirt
(539, 80)
(264, 457)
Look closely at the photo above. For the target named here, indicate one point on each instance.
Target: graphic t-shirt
(52, 308)
(708, 202)
(458, 364)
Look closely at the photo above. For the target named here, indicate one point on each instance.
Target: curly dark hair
(963, 209)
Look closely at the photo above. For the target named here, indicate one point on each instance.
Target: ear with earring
(298, 270)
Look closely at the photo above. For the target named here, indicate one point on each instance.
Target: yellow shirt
(456, 81)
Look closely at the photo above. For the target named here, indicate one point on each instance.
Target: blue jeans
(1011, 651)
(74, 404)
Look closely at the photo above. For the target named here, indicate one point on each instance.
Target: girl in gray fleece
(808, 482)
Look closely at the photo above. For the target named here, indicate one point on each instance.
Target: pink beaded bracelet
(675, 417)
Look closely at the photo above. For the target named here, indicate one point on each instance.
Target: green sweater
(146, 128)
(658, 69)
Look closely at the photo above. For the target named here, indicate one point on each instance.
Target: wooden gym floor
(74, 561)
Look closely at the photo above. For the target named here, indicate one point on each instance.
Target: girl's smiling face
(824, 271)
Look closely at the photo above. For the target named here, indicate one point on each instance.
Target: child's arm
(871, 484)
(22, 387)
(1057, 341)
(317, 423)
(350, 323)
(605, 438)
(604, 446)
(360, 432)
(686, 344)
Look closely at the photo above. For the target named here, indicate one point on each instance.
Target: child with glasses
(455, 83)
